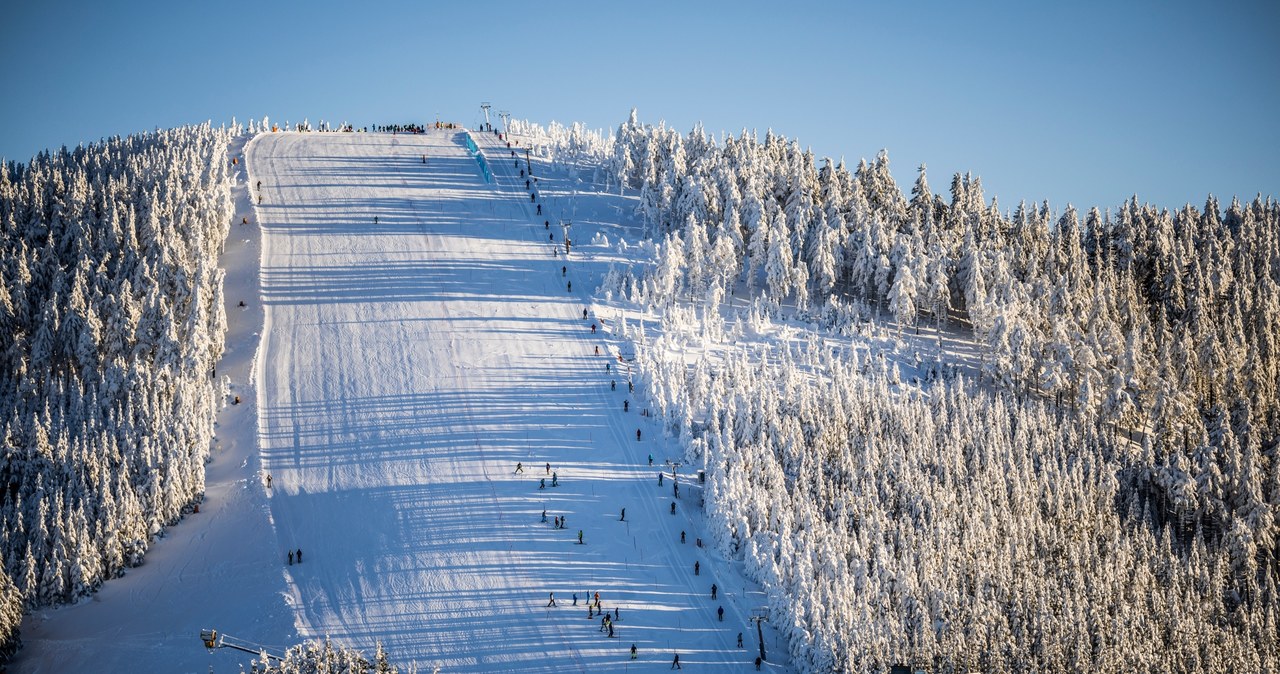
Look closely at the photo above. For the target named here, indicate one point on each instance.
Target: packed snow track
(419, 343)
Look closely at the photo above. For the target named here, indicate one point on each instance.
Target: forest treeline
(112, 315)
(1103, 495)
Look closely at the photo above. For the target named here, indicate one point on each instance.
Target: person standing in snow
(739, 639)
(626, 405)
(696, 567)
(720, 613)
(299, 555)
(544, 515)
(542, 483)
(579, 536)
(548, 468)
(575, 603)
(633, 651)
(713, 590)
(555, 479)
(673, 507)
(681, 537)
(291, 558)
(553, 600)
(675, 662)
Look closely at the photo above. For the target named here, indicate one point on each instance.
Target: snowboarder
(579, 536)
(720, 613)
(291, 558)
(623, 518)
(633, 651)
(519, 467)
(299, 555)
(244, 220)
(697, 567)
(675, 662)
(236, 401)
(713, 590)
(553, 600)
(242, 303)
(739, 639)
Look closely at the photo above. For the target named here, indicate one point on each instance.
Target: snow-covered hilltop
(712, 381)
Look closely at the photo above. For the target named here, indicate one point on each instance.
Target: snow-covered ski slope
(420, 341)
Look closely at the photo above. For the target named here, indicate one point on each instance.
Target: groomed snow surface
(418, 341)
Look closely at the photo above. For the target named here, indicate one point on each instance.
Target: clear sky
(1081, 102)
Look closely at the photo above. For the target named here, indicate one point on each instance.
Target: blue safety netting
(479, 156)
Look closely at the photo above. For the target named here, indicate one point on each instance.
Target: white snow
(405, 368)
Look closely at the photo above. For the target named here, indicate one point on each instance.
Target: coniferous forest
(1082, 471)
(112, 315)
(1100, 493)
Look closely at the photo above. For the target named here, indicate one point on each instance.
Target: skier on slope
(720, 613)
(553, 600)
(713, 590)
(633, 651)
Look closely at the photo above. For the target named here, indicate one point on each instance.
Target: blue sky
(1081, 102)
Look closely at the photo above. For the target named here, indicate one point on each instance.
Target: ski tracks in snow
(419, 342)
